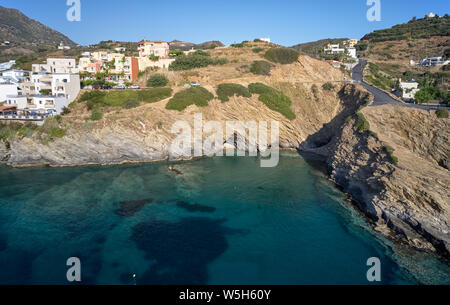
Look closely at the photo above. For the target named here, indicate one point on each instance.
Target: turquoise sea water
(216, 221)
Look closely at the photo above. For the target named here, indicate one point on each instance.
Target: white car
(121, 86)
(135, 87)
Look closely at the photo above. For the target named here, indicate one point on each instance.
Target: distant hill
(414, 29)
(26, 35)
(394, 48)
(313, 48)
(183, 45)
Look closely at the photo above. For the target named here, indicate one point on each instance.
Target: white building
(7, 89)
(41, 81)
(430, 15)
(265, 39)
(351, 52)
(56, 65)
(433, 61)
(66, 85)
(333, 49)
(7, 65)
(36, 104)
(15, 75)
(63, 47)
(409, 89)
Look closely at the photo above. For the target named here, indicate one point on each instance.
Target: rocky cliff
(408, 200)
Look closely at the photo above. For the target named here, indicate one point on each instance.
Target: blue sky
(286, 22)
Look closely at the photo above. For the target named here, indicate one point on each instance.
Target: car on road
(120, 87)
(135, 87)
(195, 85)
(107, 87)
(97, 87)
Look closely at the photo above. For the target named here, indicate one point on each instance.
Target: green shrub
(282, 55)
(153, 95)
(238, 45)
(45, 92)
(51, 130)
(349, 119)
(328, 86)
(442, 113)
(193, 96)
(65, 111)
(174, 53)
(157, 80)
(258, 50)
(365, 103)
(390, 151)
(128, 104)
(425, 95)
(273, 99)
(225, 91)
(260, 67)
(362, 124)
(27, 130)
(96, 115)
(198, 59)
(362, 46)
(315, 90)
(258, 88)
(92, 95)
(96, 99)
(56, 132)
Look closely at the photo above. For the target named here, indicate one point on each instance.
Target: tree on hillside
(425, 95)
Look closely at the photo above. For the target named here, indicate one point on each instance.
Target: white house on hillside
(265, 39)
(409, 89)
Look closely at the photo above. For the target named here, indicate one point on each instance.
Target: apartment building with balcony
(154, 48)
(32, 107)
(66, 85)
(56, 65)
(351, 43)
(41, 81)
(100, 55)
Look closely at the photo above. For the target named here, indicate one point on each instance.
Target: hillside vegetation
(394, 48)
(198, 59)
(193, 96)
(414, 29)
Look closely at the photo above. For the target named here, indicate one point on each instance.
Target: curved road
(381, 97)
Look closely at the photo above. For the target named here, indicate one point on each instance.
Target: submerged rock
(195, 207)
(129, 208)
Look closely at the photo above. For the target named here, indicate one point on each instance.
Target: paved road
(381, 97)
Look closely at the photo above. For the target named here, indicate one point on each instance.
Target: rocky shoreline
(408, 201)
